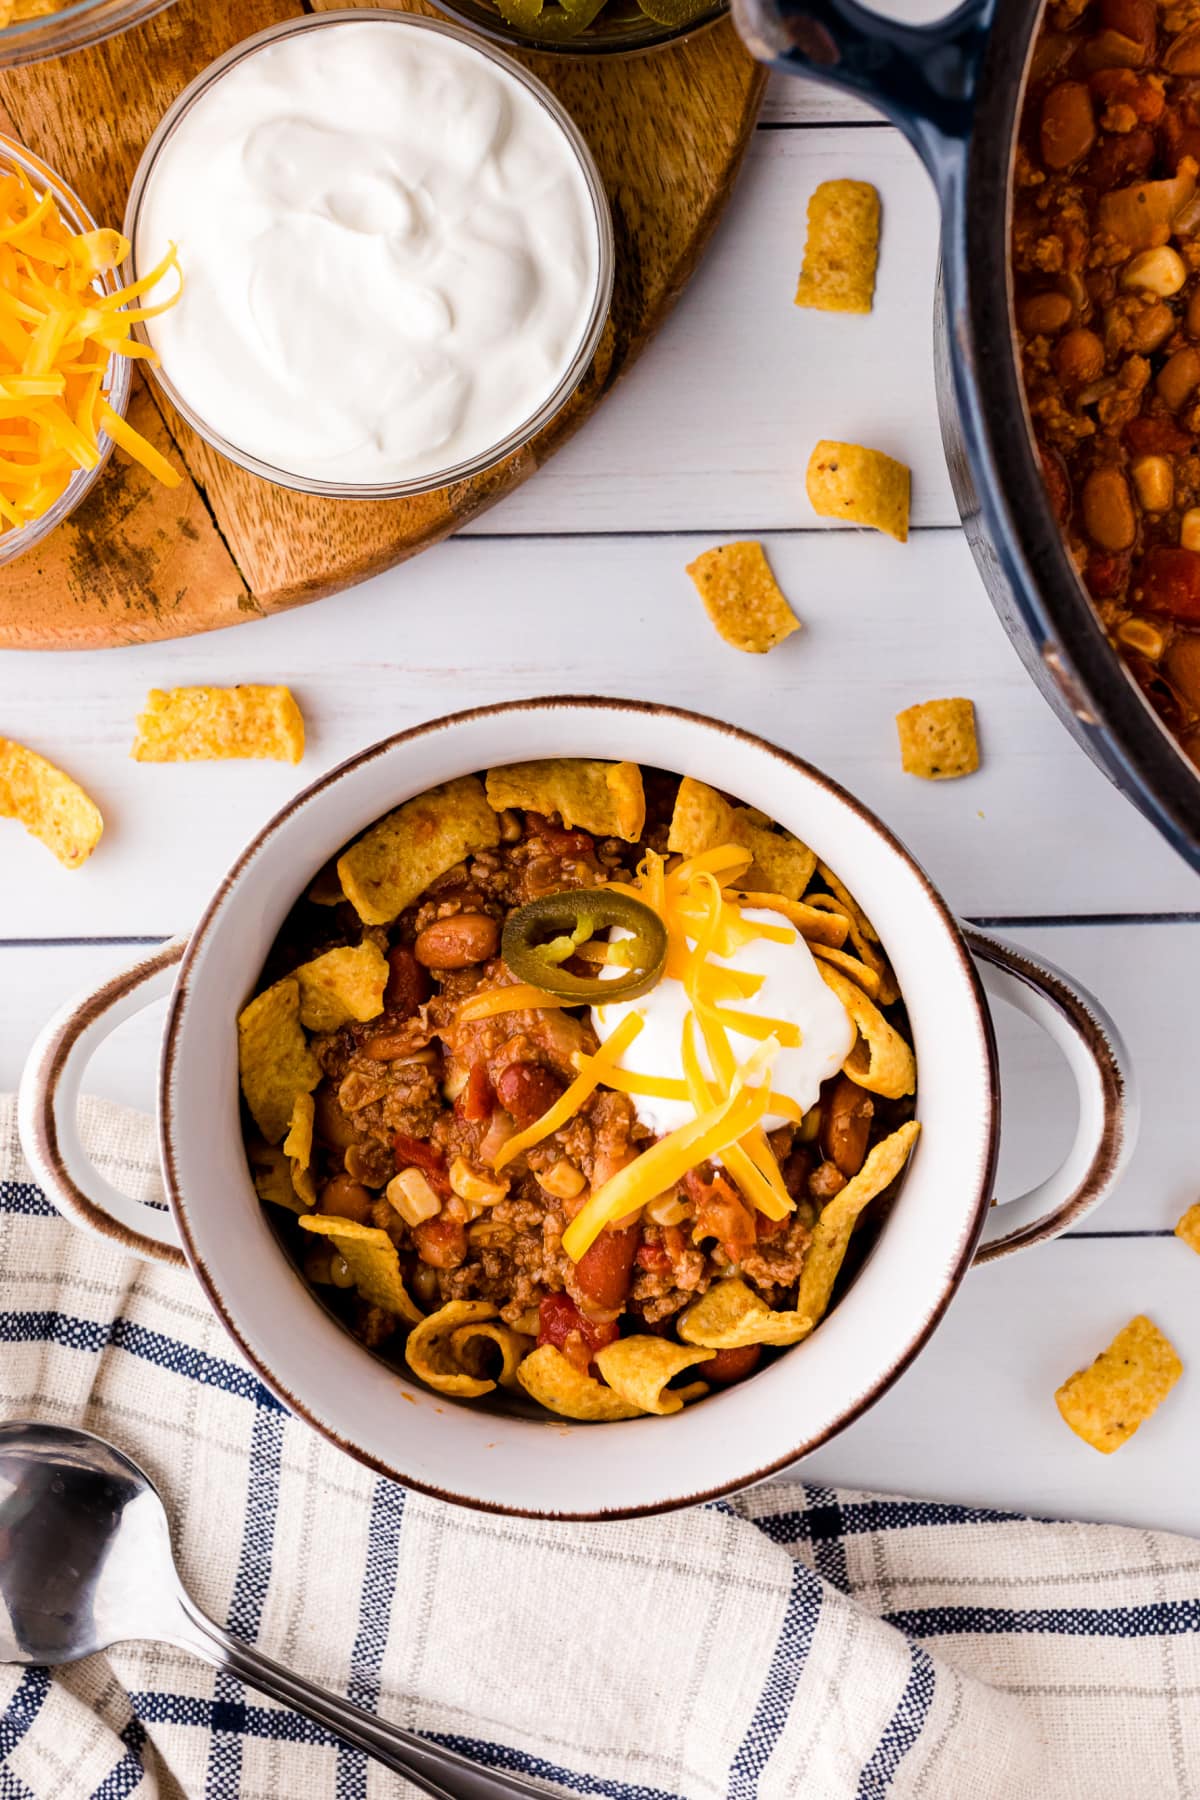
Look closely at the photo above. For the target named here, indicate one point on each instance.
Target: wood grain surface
(137, 562)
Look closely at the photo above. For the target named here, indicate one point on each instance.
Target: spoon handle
(441, 1773)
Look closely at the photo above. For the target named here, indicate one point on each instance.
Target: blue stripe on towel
(15, 1721)
(374, 1618)
(149, 1346)
(779, 1689)
(903, 1728)
(249, 1597)
(124, 1776)
(23, 1197)
(1164, 1618)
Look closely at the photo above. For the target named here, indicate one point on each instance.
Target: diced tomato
(1107, 573)
(730, 1365)
(604, 1272)
(408, 983)
(1169, 579)
(441, 1242)
(1156, 436)
(561, 1323)
(654, 1258)
(415, 1153)
(557, 838)
(769, 1228)
(478, 1097)
(721, 1213)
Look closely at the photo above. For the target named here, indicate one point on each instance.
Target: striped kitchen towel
(793, 1642)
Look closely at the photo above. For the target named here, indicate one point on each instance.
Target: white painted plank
(713, 428)
(974, 1419)
(473, 622)
(984, 1386)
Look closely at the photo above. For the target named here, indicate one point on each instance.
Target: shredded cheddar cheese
(57, 333)
(520, 996)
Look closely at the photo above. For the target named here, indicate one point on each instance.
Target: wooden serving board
(137, 562)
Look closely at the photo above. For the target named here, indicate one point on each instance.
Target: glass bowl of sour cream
(396, 249)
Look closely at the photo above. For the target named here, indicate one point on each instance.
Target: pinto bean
(846, 1125)
(1045, 314)
(1068, 128)
(726, 1366)
(1078, 357)
(1182, 665)
(441, 1242)
(1108, 515)
(457, 942)
(343, 1198)
(1179, 378)
(604, 1272)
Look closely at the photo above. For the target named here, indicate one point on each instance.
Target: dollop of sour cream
(389, 249)
(792, 990)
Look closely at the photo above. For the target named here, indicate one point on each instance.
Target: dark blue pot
(953, 89)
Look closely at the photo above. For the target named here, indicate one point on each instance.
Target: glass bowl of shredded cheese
(31, 30)
(65, 352)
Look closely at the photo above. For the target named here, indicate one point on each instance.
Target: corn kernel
(412, 1197)
(563, 1181)
(474, 1188)
(810, 1126)
(1161, 271)
(339, 1272)
(1189, 529)
(1143, 637)
(667, 1209)
(1154, 479)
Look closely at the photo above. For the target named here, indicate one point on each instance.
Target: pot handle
(1108, 1105)
(922, 76)
(47, 1107)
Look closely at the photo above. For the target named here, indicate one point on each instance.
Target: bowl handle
(1108, 1106)
(48, 1099)
(922, 76)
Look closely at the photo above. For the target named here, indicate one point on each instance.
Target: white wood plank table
(577, 583)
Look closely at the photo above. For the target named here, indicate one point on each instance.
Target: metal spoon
(85, 1562)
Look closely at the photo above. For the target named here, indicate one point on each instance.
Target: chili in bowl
(576, 1079)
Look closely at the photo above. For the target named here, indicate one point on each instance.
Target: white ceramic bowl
(487, 1457)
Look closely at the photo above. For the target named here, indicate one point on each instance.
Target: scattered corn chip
(1105, 1404)
(342, 984)
(602, 797)
(702, 820)
(731, 1315)
(274, 1059)
(372, 1260)
(831, 1233)
(937, 739)
(209, 724)
(865, 487)
(1188, 1227)
(474, 1347)
(638, 1369)
(813, 923)
(52, 808)
(555, 1383)
(880, 1061)
(393, 863)
(430, 1351)
(842, 248)
(742, 597)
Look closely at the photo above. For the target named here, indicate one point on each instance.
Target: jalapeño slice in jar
(545, 933)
